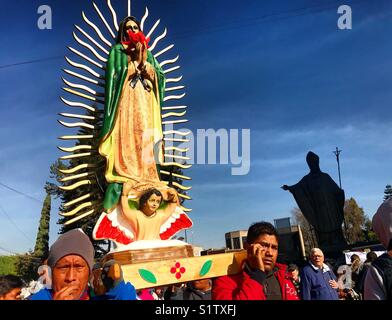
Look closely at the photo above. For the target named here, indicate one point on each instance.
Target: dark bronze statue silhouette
(321, 201)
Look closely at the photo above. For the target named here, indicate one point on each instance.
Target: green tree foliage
(358, 225)
(7, 265)
(308, 234)
(370, 235)
(26, 266)
(170, 178)
(387, 192)
(41, 249)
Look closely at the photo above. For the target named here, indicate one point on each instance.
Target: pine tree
(27, 265)
(387, 192)
(356, 221)
(41, 249)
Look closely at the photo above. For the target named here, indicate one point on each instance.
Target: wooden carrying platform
(177, 270)
(148, 255)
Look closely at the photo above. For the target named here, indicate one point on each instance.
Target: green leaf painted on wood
(147, 276)
(206, 268)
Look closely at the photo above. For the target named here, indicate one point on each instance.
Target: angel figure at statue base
(154, 216)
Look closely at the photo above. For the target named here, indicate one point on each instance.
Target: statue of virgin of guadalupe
(131, 138)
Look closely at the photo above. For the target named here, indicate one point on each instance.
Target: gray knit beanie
(72, 242)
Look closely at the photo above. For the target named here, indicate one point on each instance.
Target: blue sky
(279, 68)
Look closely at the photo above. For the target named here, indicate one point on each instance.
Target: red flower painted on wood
(177, 270)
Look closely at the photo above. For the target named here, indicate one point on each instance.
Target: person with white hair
(318, 282)
(378, 281)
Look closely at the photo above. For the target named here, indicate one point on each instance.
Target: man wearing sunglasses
(262, 278)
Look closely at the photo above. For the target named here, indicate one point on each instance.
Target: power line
(19, 255)
(8, 251)
(20, 192)
(235, 24)
(30, 62)
(15, 225)
(227, 26)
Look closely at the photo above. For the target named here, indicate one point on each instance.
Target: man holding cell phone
(261, 278)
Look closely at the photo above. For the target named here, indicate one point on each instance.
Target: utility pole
(337, 154)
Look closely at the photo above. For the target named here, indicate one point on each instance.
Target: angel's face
(132, 25)
(152, 205)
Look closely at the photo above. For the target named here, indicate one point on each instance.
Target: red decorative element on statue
(106, 230)
(135, 38)
(177, 270)
(183, 222)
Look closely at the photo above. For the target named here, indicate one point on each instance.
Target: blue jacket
(315, 284)
(123, 291)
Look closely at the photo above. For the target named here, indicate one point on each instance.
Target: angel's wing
(177, 221)
(84, 85)
(110, 227)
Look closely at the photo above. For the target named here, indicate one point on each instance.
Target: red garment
(135, 38)
(146, 295)
(242, 287)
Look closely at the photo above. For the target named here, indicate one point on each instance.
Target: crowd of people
(71, 264)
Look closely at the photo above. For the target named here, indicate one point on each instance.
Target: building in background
(291, 243)
(236, 240)
(197, 251)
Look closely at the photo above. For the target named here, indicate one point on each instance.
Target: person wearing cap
(293, 275)
(71, 259)
(378, 281)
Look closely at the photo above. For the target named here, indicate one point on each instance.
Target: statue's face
(152, 205)
(132, 25)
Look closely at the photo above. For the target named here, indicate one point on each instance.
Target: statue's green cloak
(116, 72)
